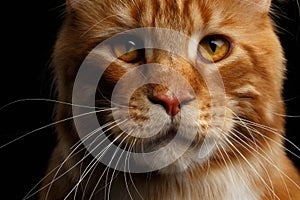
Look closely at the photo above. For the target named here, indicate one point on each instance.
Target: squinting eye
(128, 49)
(214, 48)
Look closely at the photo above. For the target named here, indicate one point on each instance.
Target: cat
(200, 79)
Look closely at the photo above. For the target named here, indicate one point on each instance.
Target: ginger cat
(200, 79)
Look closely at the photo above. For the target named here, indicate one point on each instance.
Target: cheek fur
(237, 150)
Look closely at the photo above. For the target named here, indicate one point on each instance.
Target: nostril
(159, 102)
(170, 103)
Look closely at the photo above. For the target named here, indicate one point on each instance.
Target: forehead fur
(181, 15)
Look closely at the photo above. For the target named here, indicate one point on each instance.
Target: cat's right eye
(128, 49)
(214, 48)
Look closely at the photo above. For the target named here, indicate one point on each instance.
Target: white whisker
(228, 157)
(267, 128)
(92, 164)
(253, 168)
(46, 100)
(28, 195)
(82, 140)
(249, 125)
(125, 169)
(269, 160)
(52, 124)
(130, 176)
(110, 184)
(257, 152)
(244, 125)
(98, 130)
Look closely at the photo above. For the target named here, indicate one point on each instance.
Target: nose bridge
(168, 61)
(176, 78)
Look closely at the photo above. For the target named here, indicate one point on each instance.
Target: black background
(28, 30)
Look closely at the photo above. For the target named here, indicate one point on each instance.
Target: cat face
(193, 78)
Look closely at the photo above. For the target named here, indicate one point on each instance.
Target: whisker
(270, 129)
(252, 167)
(110, 184)
(99, 129)
(88, 136)
(105, 185)
(244, 125)
(124, 173)
(226, 165)
(256, 151)
(130, 176)
(46, 100)
(228, 157)
(28, 195)
(52, 124)
(96, 161)
(109, 100)
(97, 23)
(82, 140)
(289, 116)
(92, 164)
(107, 189)
(238, 122)
(68, 157)
(268, 159)
(276, 142)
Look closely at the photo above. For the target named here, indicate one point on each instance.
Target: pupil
(213, 46)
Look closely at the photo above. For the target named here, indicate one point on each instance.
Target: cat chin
(183, 164)
(174, 159)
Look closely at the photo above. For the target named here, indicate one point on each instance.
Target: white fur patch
(237, 185)
(193, 47)
(247, 89)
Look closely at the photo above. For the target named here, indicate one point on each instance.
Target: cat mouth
(172, 136)
(164, 138)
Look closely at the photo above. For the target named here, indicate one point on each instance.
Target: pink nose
(172, 104)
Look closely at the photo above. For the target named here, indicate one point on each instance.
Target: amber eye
(214, 48)
(128, 48)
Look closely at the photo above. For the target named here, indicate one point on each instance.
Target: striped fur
(249, 162)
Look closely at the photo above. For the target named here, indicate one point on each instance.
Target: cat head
(188, 80)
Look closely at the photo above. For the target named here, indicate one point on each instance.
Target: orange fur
(250, 162)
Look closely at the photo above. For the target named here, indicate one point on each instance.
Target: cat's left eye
(128, 49)
(213, 48)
